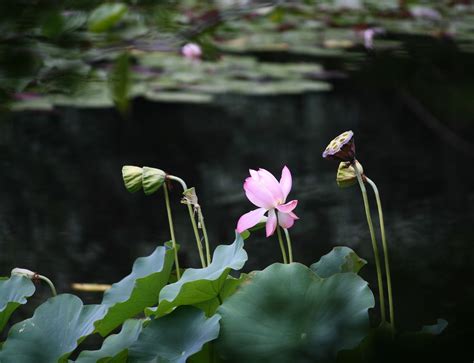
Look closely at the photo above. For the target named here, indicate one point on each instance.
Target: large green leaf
(286, 313)
(199, 285)
(54, 331)
(13, 293)
(230, 286)
(208, 354)
(106, 16)
(130, 296)
(115, 347)
(175, 337)
(340, 259)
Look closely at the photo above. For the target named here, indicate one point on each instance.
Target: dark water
(65, 213)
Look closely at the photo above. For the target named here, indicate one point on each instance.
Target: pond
(66, 213)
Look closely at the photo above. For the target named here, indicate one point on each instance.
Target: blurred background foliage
(86, 53)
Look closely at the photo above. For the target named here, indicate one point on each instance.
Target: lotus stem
(374, 242)
(385, 251)
(206, 238)
(173, 237)
(49, 282)
(282, 246)
(288, 242)
(191, 217)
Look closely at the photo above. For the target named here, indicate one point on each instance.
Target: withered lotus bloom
(346, 175)
(341, 148)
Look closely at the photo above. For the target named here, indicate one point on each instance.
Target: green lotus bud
(132, 178)
(152, 179)
(346, 175)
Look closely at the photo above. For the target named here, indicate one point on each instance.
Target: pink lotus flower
(191, 51)
(269, 195)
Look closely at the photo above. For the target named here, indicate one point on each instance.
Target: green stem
(385, 251)
(196, 235)
(374, 242)
(173, 237)
(288, 242)
(49, 282)
(206, 239)
(191, 217)
(282, 246)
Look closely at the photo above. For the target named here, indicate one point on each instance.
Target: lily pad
(114, 348)
(54, 331)
(340, 259)
(286, 313)
(175, 337)
(106, 16)
(139, 290)
(13, 293)
(200, 285)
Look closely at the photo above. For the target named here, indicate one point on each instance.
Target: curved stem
(282, 246)
(49, 282)
(191, 217)
(374, 242)
(173, 237)
(206, 238)
(179, 180)
(288, 242)
(385, 251)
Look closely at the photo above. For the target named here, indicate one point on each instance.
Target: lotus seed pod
(346, 175)
(132, 178)
(23, 272)
(152, 179)
(341, 148)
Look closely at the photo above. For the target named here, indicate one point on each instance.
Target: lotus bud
(341, 148)
(24, 272)
(152, 179)
(346, 175)
(132, 178)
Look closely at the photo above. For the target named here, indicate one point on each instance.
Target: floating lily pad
(106, 16)
(175, 337)
(13, 293)
(137, 291)
(54, 331)
(115, 347)
(286, 313)
(340, 259)
(200, 285)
